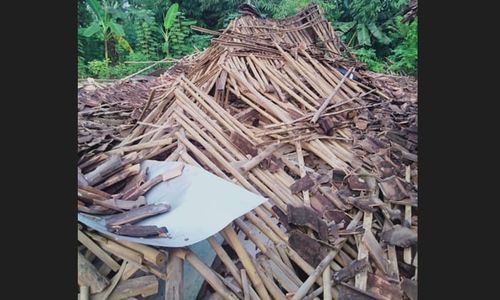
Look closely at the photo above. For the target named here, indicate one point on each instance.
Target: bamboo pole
(329, 99)
(247, 262)
(302, 291)
(206, 272)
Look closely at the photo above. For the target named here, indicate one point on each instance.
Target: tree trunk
(111, 48)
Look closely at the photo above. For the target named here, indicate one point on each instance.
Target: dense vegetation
(119, 37)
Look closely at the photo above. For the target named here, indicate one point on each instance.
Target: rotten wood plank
(137, 214)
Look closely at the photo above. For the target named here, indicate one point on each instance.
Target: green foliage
(179, 34)
(82, 67)
(99, 68)
(170, 16)
(168, 29)
(368, 56)
(209, 13)
(405, 55)
(199, 41)
(155, 28)
(227, 18)
(106, 26)
(146, 32)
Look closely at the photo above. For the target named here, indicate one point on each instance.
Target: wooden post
(173, 284)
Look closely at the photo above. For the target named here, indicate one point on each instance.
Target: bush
(404, 57)
(99, 68)
(82, 67)
(368, 56)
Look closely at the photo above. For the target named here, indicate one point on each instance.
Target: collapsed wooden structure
(282, 109)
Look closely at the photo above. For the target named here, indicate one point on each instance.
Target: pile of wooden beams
(271, 106)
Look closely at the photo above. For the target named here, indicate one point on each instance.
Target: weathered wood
(262, 83)
(410, 288)
(147, 145)
(247, 166)
(141, 190)
(82, 181)
(206, 272)
(246, 286)
(100, 173)
(399, 236)
(376, 252)
(117, 249)
(141, 286)
(121, 175)
(123, 204)
(302, 184)
(149, 253)
(85, 293)
(327, 125)
(305, 216)
(89, 276)
(350, 271)
(329, 99)
(242, 143)
(173, 284)
(327, 287)
(302, 291)
(308, 248)
(137, 214)
(247, 263)
(140, 230)
(105, 294)
(129, 271)
(101, 254)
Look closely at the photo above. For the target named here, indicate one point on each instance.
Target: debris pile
(282, 109)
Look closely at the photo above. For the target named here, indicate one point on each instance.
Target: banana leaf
(363, 35)
(170, 15)
(123, 42)
(116, 28)
(378, 34)
(97, 8)
(344, 26)
(91, 30)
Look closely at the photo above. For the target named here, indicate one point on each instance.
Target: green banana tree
(363, 21)
(106, 26)
(168, 22)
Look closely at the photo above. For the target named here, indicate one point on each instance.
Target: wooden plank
(361, 278)
(375, 251)
(117, 249)
(105, 294)
(137, 214)
(141, 286)
(153, 255)
(407, 255)
(99, 174)
(89, 276)
(101, 254)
